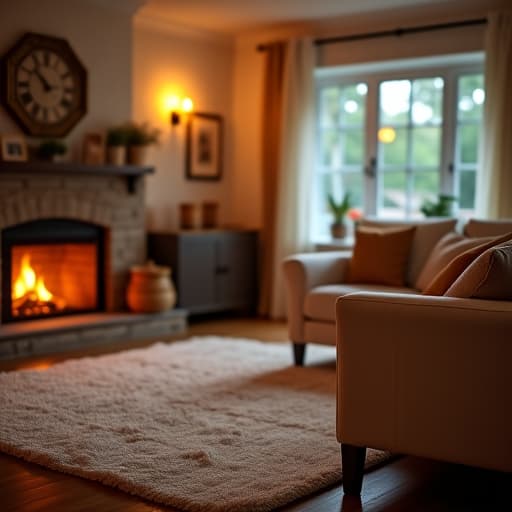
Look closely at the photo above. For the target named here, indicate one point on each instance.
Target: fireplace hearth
(69, 234)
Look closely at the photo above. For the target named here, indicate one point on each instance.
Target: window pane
(426, 146)
(394, 101)
(353, 104)
(426, 186)
(393, 194)
(467, 186)
(329, 107)
(331, 149)
(353, 153)
(471, 97)
(353, 183)
(427, 105)
(395, 153)
(468, 144)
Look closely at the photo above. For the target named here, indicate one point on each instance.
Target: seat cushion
(320, 302)
(427, 234)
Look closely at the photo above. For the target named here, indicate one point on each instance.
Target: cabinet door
(236, 255)
(196, 281)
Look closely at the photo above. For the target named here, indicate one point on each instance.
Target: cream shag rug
(209, 424)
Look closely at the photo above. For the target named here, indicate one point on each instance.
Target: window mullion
(371, 145)
(448, 167)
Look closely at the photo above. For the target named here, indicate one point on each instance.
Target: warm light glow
(187, 105)
(171, 102)
(387, 135)
(30, 293)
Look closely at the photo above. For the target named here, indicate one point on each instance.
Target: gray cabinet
(212, 270)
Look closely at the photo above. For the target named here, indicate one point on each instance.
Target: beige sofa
(315, 280)
(426, 376)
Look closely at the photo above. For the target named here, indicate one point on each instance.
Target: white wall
(172, 60)
(247, 114)
(101, 37)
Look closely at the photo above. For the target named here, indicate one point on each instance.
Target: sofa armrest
(427, 376)
(305, 271)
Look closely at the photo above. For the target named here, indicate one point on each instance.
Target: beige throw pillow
(488, 277)
(381, 256)
(450, 246)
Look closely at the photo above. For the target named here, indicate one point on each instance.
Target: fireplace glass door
(51, 268)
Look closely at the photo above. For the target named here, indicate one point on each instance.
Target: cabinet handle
(222, 269)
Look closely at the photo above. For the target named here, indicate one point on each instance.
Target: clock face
(45, 86)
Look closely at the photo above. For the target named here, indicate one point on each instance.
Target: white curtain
(295, 163)
(494, 199)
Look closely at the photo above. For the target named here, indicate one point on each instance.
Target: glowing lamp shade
(178, 106)
(386, 135)
(187, 105)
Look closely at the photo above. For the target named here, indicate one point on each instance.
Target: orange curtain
(275, 56)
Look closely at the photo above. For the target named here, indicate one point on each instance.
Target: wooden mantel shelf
(132, 172)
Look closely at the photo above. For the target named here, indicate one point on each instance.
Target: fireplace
(52, 267)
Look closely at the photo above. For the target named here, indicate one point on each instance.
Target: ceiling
(232, 16)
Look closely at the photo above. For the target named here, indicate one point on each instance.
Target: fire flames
(30, 297)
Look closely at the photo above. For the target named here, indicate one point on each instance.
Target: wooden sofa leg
(352, 462)
(299, 349)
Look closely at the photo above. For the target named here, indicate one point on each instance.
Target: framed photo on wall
(204, 147)
(13, 148)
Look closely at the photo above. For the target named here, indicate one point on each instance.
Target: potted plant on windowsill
(52, 150)
(442, 208)
(339, 211)
(139, 138)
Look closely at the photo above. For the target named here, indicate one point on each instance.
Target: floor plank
(407, 484)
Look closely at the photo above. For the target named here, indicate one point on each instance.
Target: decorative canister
(150, 289)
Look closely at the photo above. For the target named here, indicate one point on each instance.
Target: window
(397, 134)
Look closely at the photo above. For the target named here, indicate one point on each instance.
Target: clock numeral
(65, 104)
(56, 113)
(45, 114)
(69, 90)
(26, 98)
(46, 58)
(35, 59)
(35, 110)
(65, 75)
(27, 70)
(23, 83)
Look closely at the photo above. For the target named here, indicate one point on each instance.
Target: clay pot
(338, 230)
(116, 155)
(150, 289)
(138, 155)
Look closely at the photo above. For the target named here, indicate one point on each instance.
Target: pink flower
(355, 214)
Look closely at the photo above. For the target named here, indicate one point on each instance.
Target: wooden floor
(407, 484)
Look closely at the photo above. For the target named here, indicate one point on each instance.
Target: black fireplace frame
(48, 232)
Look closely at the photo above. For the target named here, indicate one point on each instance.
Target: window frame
(450, 68)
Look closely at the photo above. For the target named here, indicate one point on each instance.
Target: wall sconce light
(179, 106)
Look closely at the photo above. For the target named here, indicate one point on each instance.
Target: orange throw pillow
(440, 284)
(381, 256)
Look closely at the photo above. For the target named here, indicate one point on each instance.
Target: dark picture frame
(13, 148)
(204, 147)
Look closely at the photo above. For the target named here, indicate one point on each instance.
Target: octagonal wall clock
(44, 85)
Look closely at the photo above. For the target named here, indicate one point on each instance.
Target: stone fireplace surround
(111, 197)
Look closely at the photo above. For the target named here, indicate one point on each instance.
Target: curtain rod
(389, 33)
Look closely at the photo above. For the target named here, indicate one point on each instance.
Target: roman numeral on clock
(26, 98)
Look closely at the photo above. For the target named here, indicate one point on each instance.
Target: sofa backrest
(480, 227)
(428, 233)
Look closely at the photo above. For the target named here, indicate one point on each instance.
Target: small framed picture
(93, 151)
(204, 147)
(14, 148)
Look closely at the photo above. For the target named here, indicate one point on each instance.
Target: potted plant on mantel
(139, 138)
(117, 139)
(339, 211)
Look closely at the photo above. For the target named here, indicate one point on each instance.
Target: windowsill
(335, 244)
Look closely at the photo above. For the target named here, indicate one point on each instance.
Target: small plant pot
(138, 155)
(338, 230)
(116, 155)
